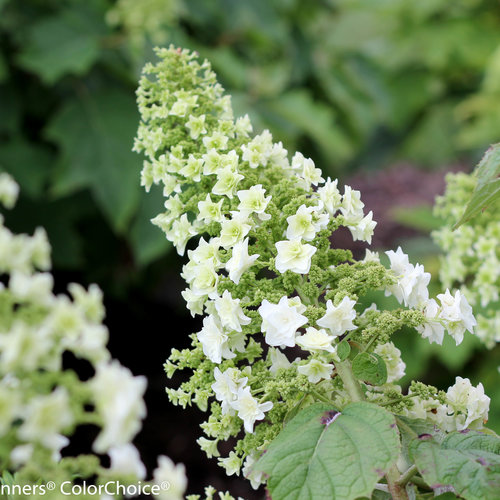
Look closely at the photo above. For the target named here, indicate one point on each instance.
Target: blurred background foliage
(358, 85)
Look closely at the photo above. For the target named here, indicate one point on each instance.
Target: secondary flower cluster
(471, 257)
(262, 269)
(41, 402)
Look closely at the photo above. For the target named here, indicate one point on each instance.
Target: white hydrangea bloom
(218, 141)
(255, 478)
(315, 340)
(9, 190)
(45, 418)
(180, 232)
(234, 229)
(226, 387)
(469, 403)
(258, 150)
(210, 211)
(433, 328)
(118, 399)
(253, 200)
(306, 170)
(315, 370)
(214, 340)
(363, 230)
(338, 319)
(125, 460)
(32, 287)
(330, 196)
(278, 360)
(301, 224)
(230, 312)
(412, 281)
(352, 206)
(294, 256)
(174, 475)
(231, 464)
(196, 126)
(457, 313)
(240, 261)
(280, 322)
(249, 409)
(227, 181)
(392, 358)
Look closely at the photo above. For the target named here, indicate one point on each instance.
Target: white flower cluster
(41, 403)
(465, 407)
(471, 255)
(453, 314)
(262, 269)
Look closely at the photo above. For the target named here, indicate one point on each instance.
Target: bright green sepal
(325, 454)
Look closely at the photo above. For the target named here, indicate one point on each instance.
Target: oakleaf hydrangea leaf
(467, 463)
(322, 453)
(487, 189)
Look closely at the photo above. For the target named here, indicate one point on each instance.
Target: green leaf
(299, 109)
(467, 463)
(29, 163)
(95, 134)
(343, 350)
(64, 43)
(369, 367)
(325, 454)
(487, 190)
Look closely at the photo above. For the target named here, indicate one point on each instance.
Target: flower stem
(397, 491)
(351, 384)
(405, 478)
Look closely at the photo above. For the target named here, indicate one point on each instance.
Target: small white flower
(330, 196)
(249, 409)
(210, 211)
(301, 224)
(227, 181)
(231, 463)
(316, 370)
(278, 360)
(470, 402)
(214, 341)
(352, 206)
(338, 319)
(294, 256)
(217, 141)
(230, 312)
(315, 340)
(255, 478)
(432, 328)
(180, 233)
(280, 322)
(392, 358)
(363, 230)
(118, 397)
(9, 190)
(226, 387)
(253, 200)
(457, 313)
(196, 126)
(44, 419)
(240, 261)
(173, 475)
(125, 460)
(234, 230)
